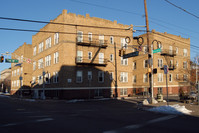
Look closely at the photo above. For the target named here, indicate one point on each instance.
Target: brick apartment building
(21, 69)
(175, 53)
(81, 61)
(77, 57)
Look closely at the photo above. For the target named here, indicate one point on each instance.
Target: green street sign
(157, 50)
(11, 61)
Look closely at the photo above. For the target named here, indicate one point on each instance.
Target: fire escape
(169, 55)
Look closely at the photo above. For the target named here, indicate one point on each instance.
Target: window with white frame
(160, 77)
(101, 39)
(15, 83)
(79, 56)
(159, 45)
(18, 83)
(79, 36)
(184, 52)
(124, 61)
(184, 64)
(111, 40)
(34, 51)
(40, 79)
(160, 90)
(48, 43)
(134, 65)
(90, 76)
(184, 77)
(33, 80)
(40, 63)
(170, 50)
(41, 47)
(145, 50)
(160, 63)
(17, 71)
(134, 79)
(55, 77)
(21, 70)
(89, 36)
(47, 78)
(56, 38)
(123, 91)
(100, 76)
(48, 60)
(34, 65)
(123, 43)
(145, 63)
(56, 57)
(79, 77)
(170, 77)
(145, 78)
(111, 57)
(90, 55)
(101, 58)
(111, 75)
(176, 50)
(124, 77)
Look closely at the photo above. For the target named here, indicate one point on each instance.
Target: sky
(163, 17)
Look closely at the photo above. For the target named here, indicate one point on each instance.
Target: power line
(45, 22)
(182, 9)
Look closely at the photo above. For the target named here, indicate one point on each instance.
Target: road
(107, 116)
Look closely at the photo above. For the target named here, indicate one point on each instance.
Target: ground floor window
(98, 92)
(123, 91)
(160, 90)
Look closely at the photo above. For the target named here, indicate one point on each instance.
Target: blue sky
(163, 17)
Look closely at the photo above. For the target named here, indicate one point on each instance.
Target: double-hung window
(48, 60)
(48, 43)
(56, 57)
(123, 77)
(79, 36)
(56, 38)
(160, 77)
(79, 77)
(41, 47)
(124, 61)
(100, 76)
(160, 63)
(55, 77)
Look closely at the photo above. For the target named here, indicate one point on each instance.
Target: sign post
(11, 61)
(166, 69)
(157, 50)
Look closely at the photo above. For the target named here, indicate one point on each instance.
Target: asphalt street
(105, 116)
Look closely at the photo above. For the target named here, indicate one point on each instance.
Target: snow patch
(145, 102)
(4, 96)
(75, 100)
(29, 100)
(171, 109)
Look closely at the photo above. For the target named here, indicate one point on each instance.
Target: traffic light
(2, 59)
(121, 52)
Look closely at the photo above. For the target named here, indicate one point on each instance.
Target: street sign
(133, 54)
(166, 69)
(157, 50)
(11, 60)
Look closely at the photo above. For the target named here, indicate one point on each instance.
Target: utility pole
(197, 84)
(116, 94)
(149, 51)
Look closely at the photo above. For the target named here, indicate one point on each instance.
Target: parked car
(193, 95)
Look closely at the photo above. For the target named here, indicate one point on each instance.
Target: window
(15, 83)
(47, 78)
(40, 80)
(33, 80)
(145, 50)
(56, 57)
(160, 63)
(159, 45)
(123, 43)
(18, 83)
(34, 51)
(134, 79)
(171, 63)
(124, 61)
(170, 50)
(111, 40)
(160, 77)
(170, 77)
(90, 55)
(90, 75)
(145, 63)
(145, 78)
(34, 65)
(160, 90)
(55, 77)
(184, 52)
(176, 50)
(21, 70)
(184, 77)
(12, 73)
(111, 57)
(48, 60)
(101, 58)
(123, 92)
(89, 36)
(134, 66)
(56, 38)
(40, 63)
(48, 43)
(79, 36)
(123, 77)
(100, 76)
(79, 78)
(12, 84)
(22, 58)
(41, 47)
(101, 39)
(184, 64)
(17, 71)
(111, 76)
(79, 56)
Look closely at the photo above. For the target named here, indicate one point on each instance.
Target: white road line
(136, 126)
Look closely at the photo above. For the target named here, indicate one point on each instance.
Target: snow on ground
(4, 96)
(171, 109)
